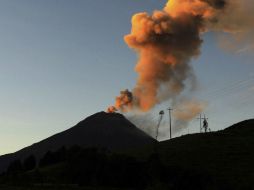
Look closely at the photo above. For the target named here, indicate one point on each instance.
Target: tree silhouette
(29, 163)
(47, 159)
(15, 166)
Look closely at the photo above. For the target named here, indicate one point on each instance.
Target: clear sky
(63, 60)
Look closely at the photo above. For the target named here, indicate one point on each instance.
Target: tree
(29, 163)
(48, 159)
(15, 166)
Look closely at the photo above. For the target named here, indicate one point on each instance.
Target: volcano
(101, 130)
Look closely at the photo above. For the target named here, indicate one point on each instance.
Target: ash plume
(111, 109)
(124, 102)
(185, 110)
(167, 40)
(143, 121)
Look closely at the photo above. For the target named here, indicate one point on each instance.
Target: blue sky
(64, 60)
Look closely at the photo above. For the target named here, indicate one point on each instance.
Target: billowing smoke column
(167, 40)
(165, 46)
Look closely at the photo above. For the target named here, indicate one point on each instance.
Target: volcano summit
(101, 130)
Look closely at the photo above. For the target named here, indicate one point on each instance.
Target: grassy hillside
(226, 157)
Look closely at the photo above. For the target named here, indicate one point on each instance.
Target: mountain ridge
(220, 160)
(102, 130)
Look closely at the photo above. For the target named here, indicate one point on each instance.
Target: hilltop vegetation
(99, 168)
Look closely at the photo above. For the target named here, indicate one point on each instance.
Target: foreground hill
(103, 130)
(220, 160)
(226, 157)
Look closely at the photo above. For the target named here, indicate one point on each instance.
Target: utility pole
(200, 121)
(170, 125)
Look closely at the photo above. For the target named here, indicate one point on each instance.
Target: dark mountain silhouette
(220, 160)
(104, 130)
(245, 128)
(226, 156)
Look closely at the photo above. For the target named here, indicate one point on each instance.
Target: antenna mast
(161, 113)
(205, 123)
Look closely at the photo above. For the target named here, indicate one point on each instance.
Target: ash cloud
(143, 121)
(167, 40)
(185, 110)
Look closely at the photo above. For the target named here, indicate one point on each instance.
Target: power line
(229, 88)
